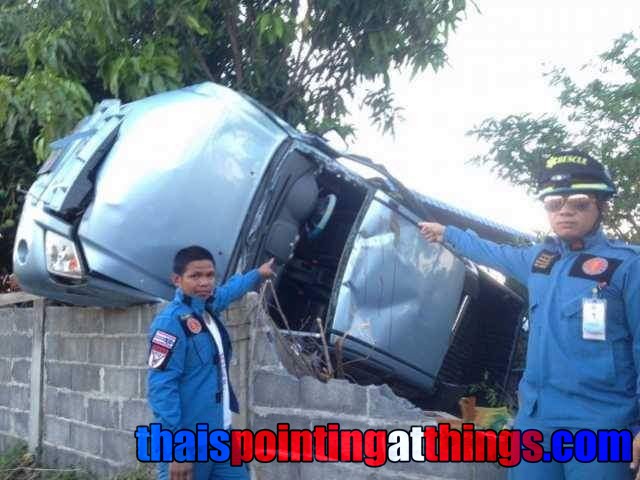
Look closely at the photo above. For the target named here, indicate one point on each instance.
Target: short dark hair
(190, 254)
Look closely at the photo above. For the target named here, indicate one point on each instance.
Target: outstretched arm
(239, 285)
(514, 262)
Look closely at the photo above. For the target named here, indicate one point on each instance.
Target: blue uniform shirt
(184, 378)
(570, 381)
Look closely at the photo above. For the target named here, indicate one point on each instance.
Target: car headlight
(62, 256)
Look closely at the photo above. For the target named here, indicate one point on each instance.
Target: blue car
(205, 165)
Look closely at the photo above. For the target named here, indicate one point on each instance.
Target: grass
(18, 464)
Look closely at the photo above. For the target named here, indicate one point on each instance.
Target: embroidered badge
(595, 266)
(164, 339)
(158, 356)
(544, 262)
(193, 325)
(592, 267)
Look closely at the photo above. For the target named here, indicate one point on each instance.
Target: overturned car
(205, 165)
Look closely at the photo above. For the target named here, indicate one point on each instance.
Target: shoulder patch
(164, 339)
(190, 324)
(158, 356)
(593, 267)
(193, 325)
(544, 262)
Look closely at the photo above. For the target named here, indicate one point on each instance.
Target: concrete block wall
(16, 334)
(94, 392)
(276, 396)
(93, 381)
(238, 319)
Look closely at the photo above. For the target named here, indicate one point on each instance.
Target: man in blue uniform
(189, 357)
(584, 314)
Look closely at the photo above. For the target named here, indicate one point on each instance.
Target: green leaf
(144, 81)
(64, 45)
(278, 27)
(10, 125)
(264, 22)
(31, 49)
(114, 75)
(195, 25)
(158, 84)
(172, 18)
(9, 223)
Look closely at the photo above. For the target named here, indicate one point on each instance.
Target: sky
(496, 63)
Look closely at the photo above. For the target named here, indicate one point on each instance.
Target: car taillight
(62, 256)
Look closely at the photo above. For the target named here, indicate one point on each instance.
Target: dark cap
(572, 172)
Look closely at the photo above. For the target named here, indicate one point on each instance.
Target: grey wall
(94, 385)
(92, 381)
(16, 334)
(80, 403)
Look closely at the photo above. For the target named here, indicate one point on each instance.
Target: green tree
(601, 117)
(302, 59)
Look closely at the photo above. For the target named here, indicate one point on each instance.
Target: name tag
(594, 318)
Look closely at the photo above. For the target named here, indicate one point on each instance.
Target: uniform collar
(197, 304)
(596, 238)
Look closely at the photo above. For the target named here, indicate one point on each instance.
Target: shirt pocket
(617, 326)
(620, 338)
(593, 360)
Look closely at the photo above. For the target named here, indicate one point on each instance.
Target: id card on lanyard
(594, 318)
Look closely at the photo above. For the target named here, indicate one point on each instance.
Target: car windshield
(398, 290)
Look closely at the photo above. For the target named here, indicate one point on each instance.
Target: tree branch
(251, 20)
(232, 31)
(301, 64)
(200, 57)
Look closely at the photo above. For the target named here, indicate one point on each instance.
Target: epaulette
(550, 242)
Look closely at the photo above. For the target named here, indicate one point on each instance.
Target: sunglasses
(579, 202)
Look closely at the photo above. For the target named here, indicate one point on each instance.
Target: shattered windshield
(399, 293)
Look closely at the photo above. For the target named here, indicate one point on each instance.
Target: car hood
(183, 171)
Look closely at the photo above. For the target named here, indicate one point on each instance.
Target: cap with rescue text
(574, 172)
